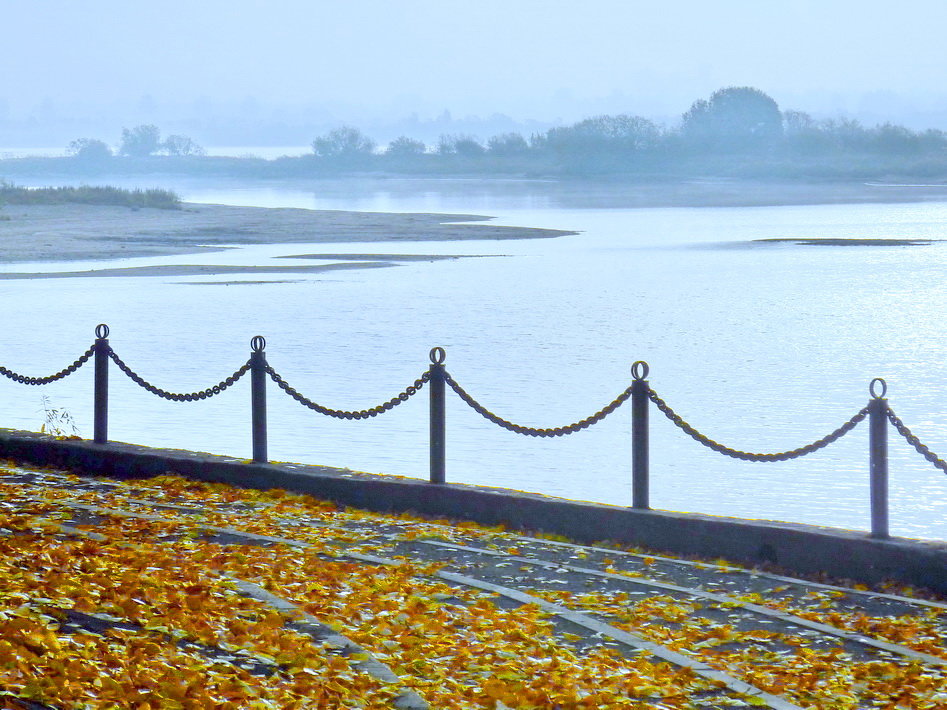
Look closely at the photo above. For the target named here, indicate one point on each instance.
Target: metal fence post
(258, 397)
(878, 464)
(100, 426)
(639, 435)
(438, 431)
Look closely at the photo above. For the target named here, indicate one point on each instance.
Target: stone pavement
(165, 592)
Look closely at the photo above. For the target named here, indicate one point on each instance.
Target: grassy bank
(11, 194)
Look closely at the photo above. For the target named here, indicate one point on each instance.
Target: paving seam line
(27, 704)
(711, 596)
(69, 530)
(90, 487)
(306, 623)
(739, 570)
(157, 518)
(212, 653)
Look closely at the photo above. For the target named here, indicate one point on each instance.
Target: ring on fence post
(100, 426)
(878, 458)
(639, 435)
(438, 430)
(258, 397)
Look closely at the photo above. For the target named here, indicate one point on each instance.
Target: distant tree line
(737, 131)
(741, 126)
(138, 142)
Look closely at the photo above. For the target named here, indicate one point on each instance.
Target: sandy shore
(195, 270)
(85, 232)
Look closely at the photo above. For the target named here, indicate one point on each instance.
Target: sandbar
(385, 257)
(193, 270)
(42, 233)
(847, 242)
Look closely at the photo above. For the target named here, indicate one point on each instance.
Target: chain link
(174, 396)
(404, 396)
(746, 455)
(23, 379)
(530, 431)
(914, 441)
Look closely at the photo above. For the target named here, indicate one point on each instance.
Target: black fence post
(639, 435)
(878, 465)
(438, 430)
(100, 426)
(258, 397)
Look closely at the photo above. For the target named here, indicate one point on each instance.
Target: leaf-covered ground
(167, 593)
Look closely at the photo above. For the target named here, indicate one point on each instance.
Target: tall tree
(507, 144)
(181, 145)
(738, 117)
(89, 150)
(140, 141)
(403, 147)
(461, 144)
(343, 142)
(604, 135)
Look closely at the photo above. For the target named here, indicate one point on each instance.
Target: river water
(763, 347)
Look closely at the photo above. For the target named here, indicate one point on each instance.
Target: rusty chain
(401, 397)
(174, 396)
(914, 441)
(530, 431)
(23, 379)
(749, 456)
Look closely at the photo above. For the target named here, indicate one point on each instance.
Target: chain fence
(914, 441)
(65, 372)
(176, 396)
(747, 455)
(531, 431)
(436, 379)
(399, 398)
(639, 370)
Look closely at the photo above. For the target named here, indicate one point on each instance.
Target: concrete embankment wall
(804, 549)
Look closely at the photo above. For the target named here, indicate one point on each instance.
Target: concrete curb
(804, 549)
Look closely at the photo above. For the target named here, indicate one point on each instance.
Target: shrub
(88, 195)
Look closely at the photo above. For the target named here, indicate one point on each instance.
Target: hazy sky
(527, 58)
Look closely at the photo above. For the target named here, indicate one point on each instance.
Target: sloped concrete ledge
(804, 549)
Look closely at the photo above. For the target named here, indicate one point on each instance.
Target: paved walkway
(170, 593)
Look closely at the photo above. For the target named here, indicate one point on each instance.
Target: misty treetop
(737, 118)
(89, 149)
(343, 143)
(403, 147)
(180, 145)
(507, 144)
(140, 141)
(736, 131)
